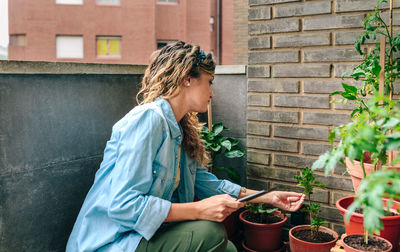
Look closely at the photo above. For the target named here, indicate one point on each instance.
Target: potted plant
(355, 243)
(313, 237)
(262, 227)
(379, 200)
(373, 135)
(373, 132)
(217, 144)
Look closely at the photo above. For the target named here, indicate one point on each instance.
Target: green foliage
(260, 209)
(308, 182)
(375, 124)
(376, 132)
(316, 222)
(218, 144)
(379, 184)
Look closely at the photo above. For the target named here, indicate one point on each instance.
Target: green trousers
(192, 236)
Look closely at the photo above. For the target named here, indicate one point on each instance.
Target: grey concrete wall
(53, 130)
(229, 107)
(55, 119)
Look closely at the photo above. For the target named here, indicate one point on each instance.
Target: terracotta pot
(391, 224)
(356, 172)
(347, 248)
(250, 250)
(297, 245)
(263, 237)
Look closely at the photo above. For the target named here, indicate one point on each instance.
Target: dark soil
(374, 245)
(360, 211)
(312, 236)
(262, 219)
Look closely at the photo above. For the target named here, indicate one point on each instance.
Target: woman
(153, 166)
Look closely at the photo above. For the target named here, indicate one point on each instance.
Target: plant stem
(362, 166)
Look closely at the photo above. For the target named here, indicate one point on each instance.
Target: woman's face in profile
(199, 93)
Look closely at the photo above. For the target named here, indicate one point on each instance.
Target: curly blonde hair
(163, 78)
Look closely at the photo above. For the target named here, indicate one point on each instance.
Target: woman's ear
(186, 81)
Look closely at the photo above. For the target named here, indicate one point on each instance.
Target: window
(108, 2)
(167, 1)
(161, 44)
(77, 2)
(17, 40)
(108, 46)
(69, 47)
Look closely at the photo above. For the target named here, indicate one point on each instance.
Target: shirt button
(176, 156)
(154, 172)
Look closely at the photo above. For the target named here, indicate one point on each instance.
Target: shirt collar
(174, 126)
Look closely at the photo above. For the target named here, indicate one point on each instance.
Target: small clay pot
(297, 245)
(347, 248)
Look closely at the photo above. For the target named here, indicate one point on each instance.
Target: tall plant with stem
(308, 182)
(374, 124)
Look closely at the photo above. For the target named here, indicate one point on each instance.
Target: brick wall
(297, 51)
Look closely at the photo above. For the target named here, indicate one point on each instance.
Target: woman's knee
(209, 233)
(211, 229)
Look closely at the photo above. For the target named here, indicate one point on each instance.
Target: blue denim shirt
(132, 191)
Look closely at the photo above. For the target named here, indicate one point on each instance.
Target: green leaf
(233, 141)
(234, 154)
(372, 221)
(350, 97)
(376, 68)
(321, 161)
(349, 89)
(392, 144)
(335, 93)
(332, 136)
(218, 128)
(215, 148)
(227, 144)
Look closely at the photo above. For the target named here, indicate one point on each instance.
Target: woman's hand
(217, 208)
(288, 201)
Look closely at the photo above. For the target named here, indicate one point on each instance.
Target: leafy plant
(375, 124)
(375, 132)
(377, 185)
(308, 182)
(218, 144)
(374, 129)
(260, 209)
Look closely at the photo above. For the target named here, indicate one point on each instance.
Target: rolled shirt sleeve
(207, 185)
(132, 177)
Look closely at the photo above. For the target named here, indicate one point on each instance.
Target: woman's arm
(215, 208)
(288, 201)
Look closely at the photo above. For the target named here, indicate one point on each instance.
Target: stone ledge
(230, 69)
(40, 67)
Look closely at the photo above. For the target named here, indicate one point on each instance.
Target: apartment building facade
(116, 31)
